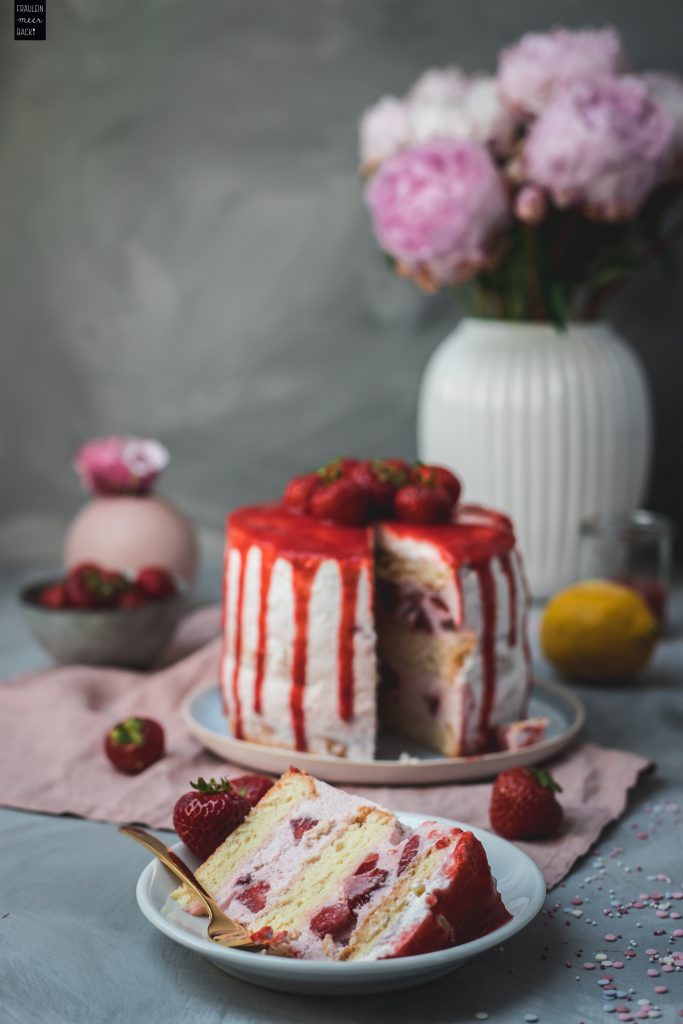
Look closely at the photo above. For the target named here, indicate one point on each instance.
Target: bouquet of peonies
(539, 189)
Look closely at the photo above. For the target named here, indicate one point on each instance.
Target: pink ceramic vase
(129, 531)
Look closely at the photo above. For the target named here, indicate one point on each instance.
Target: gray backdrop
(184, 251)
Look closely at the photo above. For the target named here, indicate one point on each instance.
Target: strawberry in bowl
(98, 616)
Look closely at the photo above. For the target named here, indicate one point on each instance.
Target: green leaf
(545, 779)
(212, 786)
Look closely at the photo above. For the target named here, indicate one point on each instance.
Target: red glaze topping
(237, 716)
(267, 562)
(295, 536)
(468, 908)
(303, 584)
(347, 628)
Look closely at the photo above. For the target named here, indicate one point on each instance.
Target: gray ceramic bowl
(125, 637)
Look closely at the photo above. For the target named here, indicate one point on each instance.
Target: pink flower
(383, 131)
(602, 145)
(531, 71)
(445, 103)
(437, 209)
(667, 90)
(530, 204)
(120, 465)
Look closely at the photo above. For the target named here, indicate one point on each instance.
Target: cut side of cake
(336, 877)
(327, 627)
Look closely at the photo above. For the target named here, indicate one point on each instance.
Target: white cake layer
(326, 732)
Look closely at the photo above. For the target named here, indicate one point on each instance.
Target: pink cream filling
(421, 610)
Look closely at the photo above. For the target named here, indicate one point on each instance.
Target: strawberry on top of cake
(372, 593)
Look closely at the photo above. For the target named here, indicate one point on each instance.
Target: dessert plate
(521, 886)
(400, 760)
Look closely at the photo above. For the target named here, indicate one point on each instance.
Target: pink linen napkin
(52, 725)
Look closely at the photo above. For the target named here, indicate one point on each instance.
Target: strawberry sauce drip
(487, 590)
(224, 625)
(237, 718)
(349, 576)
(267, 562)
(509, 573)
(303, 576)
(525, 632)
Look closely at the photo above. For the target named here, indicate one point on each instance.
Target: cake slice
(339, 878)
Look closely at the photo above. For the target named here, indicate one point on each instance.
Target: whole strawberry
(207, 815)
(341, 501)
(53, 596)
(380, 480)
(156, 582)
(252, 787)
(341, 466)
(424, 474)
(523, 804)
(299, 491)
(134, 744)
(423, 503)
(133, 598)
(90, 586)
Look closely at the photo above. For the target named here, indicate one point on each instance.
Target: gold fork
(222, 929)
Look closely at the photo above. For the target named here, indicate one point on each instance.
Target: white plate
(204, 718)
(520, 884)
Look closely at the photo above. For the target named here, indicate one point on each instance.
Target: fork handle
(170, 860)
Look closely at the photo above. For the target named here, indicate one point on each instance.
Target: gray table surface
(74, 947)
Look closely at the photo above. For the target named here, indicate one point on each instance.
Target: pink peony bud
(445, 103)
(383, 131)
(530, 204)
(437, 209)
(602, 145)
(531, 71)
(120, 465)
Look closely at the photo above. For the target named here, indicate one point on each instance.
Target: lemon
(598, 630)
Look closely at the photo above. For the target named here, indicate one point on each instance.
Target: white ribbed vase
(548, 426)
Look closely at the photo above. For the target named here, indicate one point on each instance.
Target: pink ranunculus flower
(120, 465)
(445, 103)
(437, 209)
(531, 71)
(602, 145)
(667, 90)
(383, 131)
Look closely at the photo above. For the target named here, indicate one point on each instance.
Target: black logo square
(29, 20)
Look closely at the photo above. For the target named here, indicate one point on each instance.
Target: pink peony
(445, 103)
(530, 71)
(437, 208)
(602, 145)
(120, 465)
(383, 131)
(667, 90)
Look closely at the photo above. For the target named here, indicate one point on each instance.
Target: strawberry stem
(212, 786)
(545, 779)
(128, 732)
